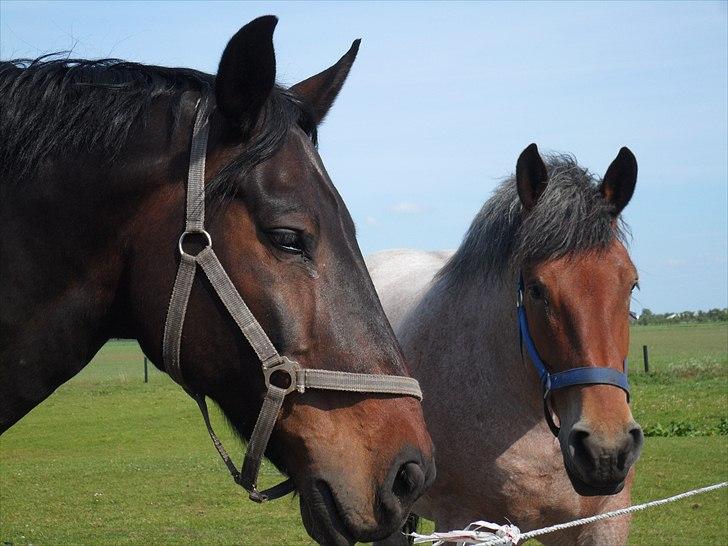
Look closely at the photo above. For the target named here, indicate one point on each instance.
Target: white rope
(483, 533)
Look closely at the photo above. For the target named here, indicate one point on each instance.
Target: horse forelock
(570, 216)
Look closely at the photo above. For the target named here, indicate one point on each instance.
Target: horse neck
(65, 234)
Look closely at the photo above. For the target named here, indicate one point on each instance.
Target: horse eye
(535, 292)
(287, 240)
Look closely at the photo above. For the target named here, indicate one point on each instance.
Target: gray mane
(570, 216)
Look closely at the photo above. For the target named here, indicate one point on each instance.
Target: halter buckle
(186, 233)
(286, 366)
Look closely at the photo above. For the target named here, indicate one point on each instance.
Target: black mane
(571, 215)
(51, 107)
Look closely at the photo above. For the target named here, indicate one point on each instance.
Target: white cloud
(371, 221)
(406, 207)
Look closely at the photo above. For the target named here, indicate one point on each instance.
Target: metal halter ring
(288, 367)
(193, 232)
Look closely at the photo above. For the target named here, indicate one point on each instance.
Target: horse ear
(247, 73)
(319, 92)
(619, 182)
(531, 176)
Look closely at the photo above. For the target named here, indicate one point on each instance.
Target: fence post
(146, 371)
(646, 358)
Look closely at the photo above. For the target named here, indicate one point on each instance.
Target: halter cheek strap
(274, 366)
(587, 375)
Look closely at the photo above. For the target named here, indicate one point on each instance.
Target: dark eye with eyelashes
(536, 292)
(288, 240)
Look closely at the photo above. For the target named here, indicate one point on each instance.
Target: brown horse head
(112, 182)
(288, 243)
(578, 279)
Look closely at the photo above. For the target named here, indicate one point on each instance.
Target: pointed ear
(319, 92)
(619, 182)
(531, 176)
(247, 73)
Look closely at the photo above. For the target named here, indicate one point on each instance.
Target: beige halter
(298, 379)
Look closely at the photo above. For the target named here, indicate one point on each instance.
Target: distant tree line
(714, 315)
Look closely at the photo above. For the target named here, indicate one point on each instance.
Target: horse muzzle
(334, 515)
(598, 464)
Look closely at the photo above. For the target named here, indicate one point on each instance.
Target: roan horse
(455, 316)
(94, 158)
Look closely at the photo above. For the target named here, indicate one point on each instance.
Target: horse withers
(547, 248)
(94, 165)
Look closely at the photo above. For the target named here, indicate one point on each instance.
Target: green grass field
(688, 380)
(110, 460)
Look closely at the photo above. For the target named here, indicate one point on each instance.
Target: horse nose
(408, 479)
(604, 459)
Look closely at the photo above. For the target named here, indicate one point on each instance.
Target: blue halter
(587, 375)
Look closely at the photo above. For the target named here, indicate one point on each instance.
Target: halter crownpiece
(587, 375)
(272, 363)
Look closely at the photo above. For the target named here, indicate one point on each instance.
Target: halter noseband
(272, 363)
(587, 375)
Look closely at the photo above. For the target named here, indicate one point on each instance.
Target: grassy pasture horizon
(110, 460)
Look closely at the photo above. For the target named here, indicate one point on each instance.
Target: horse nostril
(638, 436)
(578, 443)
(409, 482)
(633, 446)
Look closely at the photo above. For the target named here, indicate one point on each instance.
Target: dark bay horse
(558, 228)
(94, 161)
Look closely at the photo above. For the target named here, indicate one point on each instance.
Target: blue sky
(443, 98)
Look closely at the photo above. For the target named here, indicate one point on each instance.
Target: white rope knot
(478, 532)
(510, 533)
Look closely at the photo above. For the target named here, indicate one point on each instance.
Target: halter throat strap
(586, 375)
(272, 363)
